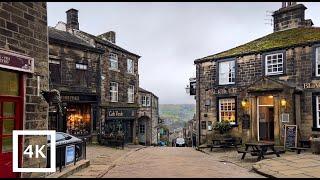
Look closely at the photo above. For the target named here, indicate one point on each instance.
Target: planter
(315, 145)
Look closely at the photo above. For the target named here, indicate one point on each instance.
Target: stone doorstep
(70, 170)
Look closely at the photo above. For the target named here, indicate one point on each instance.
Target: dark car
(63, 140)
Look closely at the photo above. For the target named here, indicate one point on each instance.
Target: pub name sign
(311, 85)
(14, 61)
(225, 91)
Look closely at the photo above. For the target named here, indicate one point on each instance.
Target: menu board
(290, 137)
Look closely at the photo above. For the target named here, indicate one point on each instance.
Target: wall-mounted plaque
(285, 117)
(290, 136)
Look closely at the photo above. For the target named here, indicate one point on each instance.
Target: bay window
(227, 72)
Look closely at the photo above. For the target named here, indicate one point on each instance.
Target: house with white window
(263, 85)
(148, 118)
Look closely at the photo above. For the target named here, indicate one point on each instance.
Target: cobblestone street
(156, 162)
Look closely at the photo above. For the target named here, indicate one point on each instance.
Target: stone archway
(144, 130)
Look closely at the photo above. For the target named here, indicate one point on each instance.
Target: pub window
(148, 101)
(130, 66)
(144, 100)
(318, 61)
(113, 58)
(227, 110)
(131, 94)
(81, 74)
(203, 125)
(318, 111)
(114, 92)
(226, 72)
(54, 70)
(274, 64)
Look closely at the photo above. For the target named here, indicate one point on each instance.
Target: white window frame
(52, 61)
(227, 100)
(113, 60)
(131, 94)
(143, 101)
(81, 66)
(317, 61)
(274, 65)
(148, 101)
(113, 92)
(131, 63)
(317, 111)
(228, 77)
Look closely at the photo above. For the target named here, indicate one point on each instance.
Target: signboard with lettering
(121, 113)
(290, 136)
(225, 91)
(311, 85)
(80, 98)
(14, 61)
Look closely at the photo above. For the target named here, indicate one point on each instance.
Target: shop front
(13, 69)
(78, 117)
(121, 121)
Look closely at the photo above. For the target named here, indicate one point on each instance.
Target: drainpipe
(198, 101)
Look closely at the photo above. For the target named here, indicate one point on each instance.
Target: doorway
(265, 118)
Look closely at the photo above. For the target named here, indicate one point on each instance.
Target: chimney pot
(72, 19)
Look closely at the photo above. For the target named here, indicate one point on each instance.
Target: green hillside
(177, 112)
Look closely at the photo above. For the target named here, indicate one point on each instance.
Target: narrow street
(174, 162)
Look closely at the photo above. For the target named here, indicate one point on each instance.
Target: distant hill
(177, 112)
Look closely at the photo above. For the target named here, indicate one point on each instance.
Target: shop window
(317, 61)
(79, 119)
(9, 83)
(81, 74)
(54, 71)
(114, 92)
(131, 94)
(130, 66)
(227, 110)
(141, 128)
(274, 64)
(113, 58)
(203, 125)
(227, 72)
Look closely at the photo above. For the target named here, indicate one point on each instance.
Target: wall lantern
(244, 103)
(283, 102)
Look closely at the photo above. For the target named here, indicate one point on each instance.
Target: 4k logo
(34, 151)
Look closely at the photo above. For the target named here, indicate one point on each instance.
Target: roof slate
(273, 41)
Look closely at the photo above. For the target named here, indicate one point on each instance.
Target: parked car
(63, 140)
(180, 142)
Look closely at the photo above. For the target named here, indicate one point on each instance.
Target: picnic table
(224, 143)
(259, 149)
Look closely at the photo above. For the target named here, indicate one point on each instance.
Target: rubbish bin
(315, 145)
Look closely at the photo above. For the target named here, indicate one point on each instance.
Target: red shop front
(13, 70)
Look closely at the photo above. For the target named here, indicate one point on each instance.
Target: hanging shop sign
(121, 113)
(14, 61)
(225, 91)
(311, 85)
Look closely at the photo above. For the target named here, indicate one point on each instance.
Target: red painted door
(11, 115)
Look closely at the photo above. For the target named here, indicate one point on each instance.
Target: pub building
(261, 86)
(113, 69)
(74, 69)
(23, 76)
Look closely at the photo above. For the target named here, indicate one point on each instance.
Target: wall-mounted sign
(121, 113)
(285, 117)
(311, 85)
(290, 136)
(80, 98)
(70, 154)
(225, 91)
(14, 61)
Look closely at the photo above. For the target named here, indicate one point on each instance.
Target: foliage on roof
(273, 41)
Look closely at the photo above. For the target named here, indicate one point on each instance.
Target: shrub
(223, 127)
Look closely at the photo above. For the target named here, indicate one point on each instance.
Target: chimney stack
(109, 36)
(72, 19)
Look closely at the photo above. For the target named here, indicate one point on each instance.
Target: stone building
(23, 76)
(117, 80)
(148, 117)
(74, 67)
(261, 86)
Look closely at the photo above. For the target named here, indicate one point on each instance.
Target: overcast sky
(170, 36)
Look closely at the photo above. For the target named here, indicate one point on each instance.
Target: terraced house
(264, 84)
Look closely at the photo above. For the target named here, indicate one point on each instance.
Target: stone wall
(24, 26)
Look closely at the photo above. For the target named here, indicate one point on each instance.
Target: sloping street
(174, 162)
